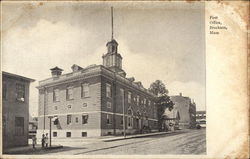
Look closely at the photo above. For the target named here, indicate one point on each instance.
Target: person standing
(43, 140)
(46, 140)
(34, 142)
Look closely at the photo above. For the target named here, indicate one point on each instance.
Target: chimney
(132, 79)
(181, 94)
(56, 72)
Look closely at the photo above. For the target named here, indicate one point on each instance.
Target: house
(15, 109)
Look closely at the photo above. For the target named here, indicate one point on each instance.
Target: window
(149, 102)
(107, 62)
(69, 93)
(129, 97)
(84, 134)
(108, 90)
(119, 63)
(137, 99)
(69, 106)
(55, 107)
(155, 111)
(20, 92)
(85, 90)
(69, 119)
(19, 126)
(109, 104)
(85, 119)
(54, 134)
(4, 91)
(84, 105)
(121, 120)
(68, 134)
(130, 119)
(145, 101)
(109, 119)
(56, 95)
(76, 119)
(122, 96)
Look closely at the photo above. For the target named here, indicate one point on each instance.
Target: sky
(157, 40)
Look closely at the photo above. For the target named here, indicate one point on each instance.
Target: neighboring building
(15, 109)
(201, 118)
(186, 109)
(95, 101)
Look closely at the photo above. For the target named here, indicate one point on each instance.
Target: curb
(136, 136)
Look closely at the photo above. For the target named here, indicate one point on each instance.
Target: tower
(112, 59)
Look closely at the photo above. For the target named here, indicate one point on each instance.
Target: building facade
(15, 110)
(186, 109)
(95, 101)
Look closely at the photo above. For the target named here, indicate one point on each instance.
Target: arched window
(130, 119)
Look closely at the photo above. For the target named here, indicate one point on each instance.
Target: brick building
(15, 109)
(186, 109)
(95, 101)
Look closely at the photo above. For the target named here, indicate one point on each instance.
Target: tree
(162, 100)
(158, 88)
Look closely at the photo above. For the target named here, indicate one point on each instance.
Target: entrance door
(139, 124)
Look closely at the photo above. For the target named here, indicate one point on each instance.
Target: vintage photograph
(103, 78)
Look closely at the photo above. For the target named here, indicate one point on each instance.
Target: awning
(54, 118)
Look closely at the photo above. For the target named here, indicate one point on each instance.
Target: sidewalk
(29, 149)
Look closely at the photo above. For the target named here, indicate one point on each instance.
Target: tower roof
(113, 41)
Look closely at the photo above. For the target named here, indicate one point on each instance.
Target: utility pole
(123, 110)
(44, 108)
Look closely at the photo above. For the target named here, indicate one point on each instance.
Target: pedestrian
(34, 142)
(46, 140)
(43, 141)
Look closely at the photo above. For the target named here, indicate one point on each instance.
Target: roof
(56, 68)
(87, 72)
(17, 76)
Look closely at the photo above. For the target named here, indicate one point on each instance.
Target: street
(182, 142)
